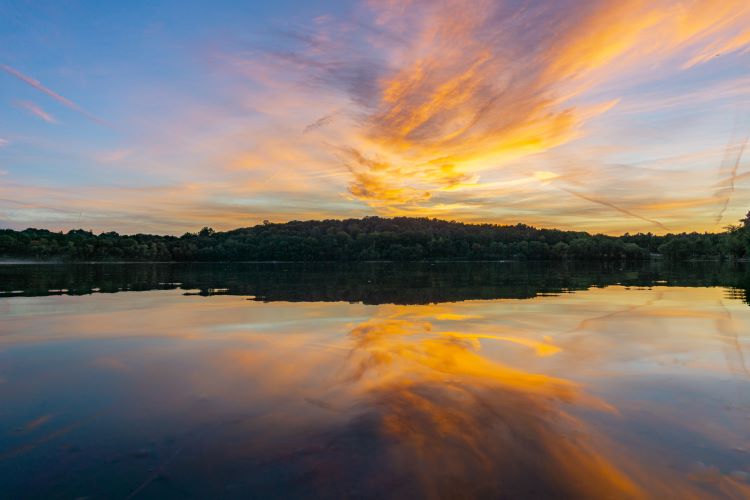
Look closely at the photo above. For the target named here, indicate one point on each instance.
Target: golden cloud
(469, 86)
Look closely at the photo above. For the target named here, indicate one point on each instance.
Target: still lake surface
(457, 380)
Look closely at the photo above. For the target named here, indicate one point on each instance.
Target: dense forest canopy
(374, 238)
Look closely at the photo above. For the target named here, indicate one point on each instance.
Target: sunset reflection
(607, 393)
(463, 425)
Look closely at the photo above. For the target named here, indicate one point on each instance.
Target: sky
(607, 116)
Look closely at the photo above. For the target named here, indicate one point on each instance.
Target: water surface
(484, 380)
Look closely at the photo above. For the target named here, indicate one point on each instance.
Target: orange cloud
(430, 108)
(469, 86)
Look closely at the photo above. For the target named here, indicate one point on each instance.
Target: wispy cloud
(320, 122)
(113, 156)
(54, 95)
(166, 208)
(425, 108)
(444, 92)
(37, 111)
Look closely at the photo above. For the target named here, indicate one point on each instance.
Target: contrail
(33, 205)
(62, 100)
(613, 206)
(37, 111)
(732, 175)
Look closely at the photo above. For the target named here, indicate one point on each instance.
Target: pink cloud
(62, 100)
(37, 111)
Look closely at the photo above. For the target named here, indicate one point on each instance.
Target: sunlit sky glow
(165, 116)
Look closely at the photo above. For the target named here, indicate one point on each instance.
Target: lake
(374, 380)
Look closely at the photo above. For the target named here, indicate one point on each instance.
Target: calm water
(374, 381)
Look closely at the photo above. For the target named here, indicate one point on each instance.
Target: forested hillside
(374, 238)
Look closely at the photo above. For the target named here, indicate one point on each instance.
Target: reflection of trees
(370, 283)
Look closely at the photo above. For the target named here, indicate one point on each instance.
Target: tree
(374, 238)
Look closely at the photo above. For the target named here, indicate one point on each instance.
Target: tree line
(372, 239)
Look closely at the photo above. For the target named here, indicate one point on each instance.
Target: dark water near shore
(455, 380)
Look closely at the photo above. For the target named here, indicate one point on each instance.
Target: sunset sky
(166, 116)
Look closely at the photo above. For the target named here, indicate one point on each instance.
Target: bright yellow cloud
(471, 86)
